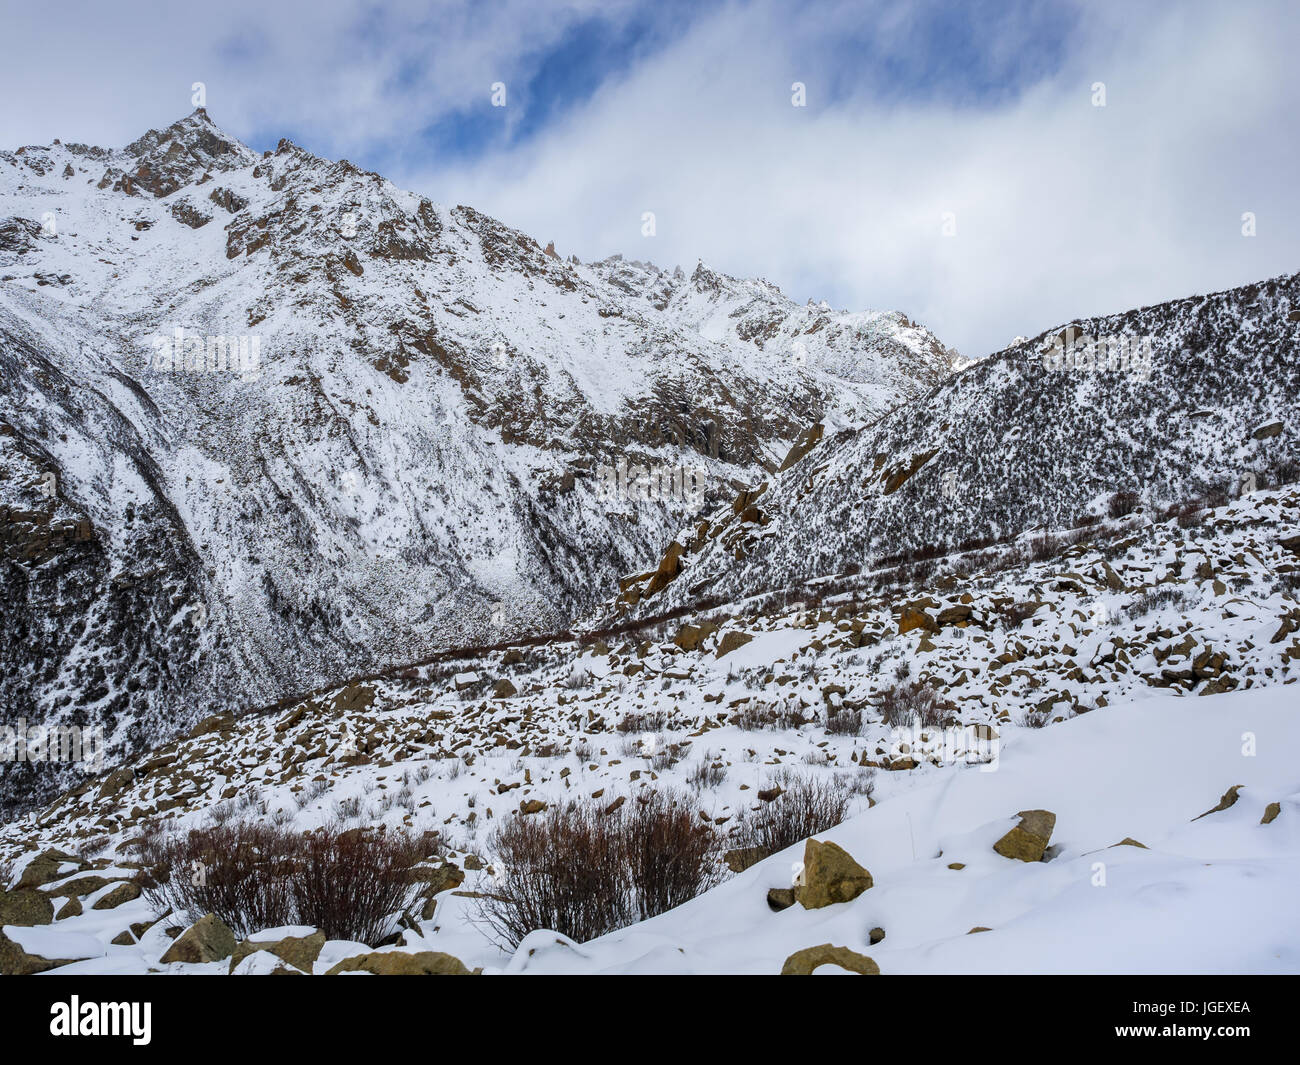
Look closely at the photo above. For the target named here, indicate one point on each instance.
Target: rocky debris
(1271, 812)
(300, 952)
(830, 875)
(1229, 798)
(1028, 840)
(398, 963)
(804, 962)
(208, 939)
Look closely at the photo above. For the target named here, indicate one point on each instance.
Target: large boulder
(731, 641)
(1028, 841)
(803, 962)
(830, 875)
(299, 951)
(398, 963)
(124, 892)
(208, 939)
(25, 907)
(15, 960)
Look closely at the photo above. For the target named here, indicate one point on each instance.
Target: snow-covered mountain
(1198, 398)
(266, 420)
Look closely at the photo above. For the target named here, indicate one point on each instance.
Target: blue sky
(982, 112)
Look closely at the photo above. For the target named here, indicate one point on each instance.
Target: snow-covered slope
(1190, 399)
(1124, 683)
(308, 424)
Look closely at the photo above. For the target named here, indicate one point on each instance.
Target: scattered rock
(208, 939)
(1028, 840)
(830, 875)
(124, 892)
(731, 641)
(780, 898)
(397, 963)
(1228, 798)
(803, 962)
(299, 951)
(1271, 812)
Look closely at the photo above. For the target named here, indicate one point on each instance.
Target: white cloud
(1062, 209)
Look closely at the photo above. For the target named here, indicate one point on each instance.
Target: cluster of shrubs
(916, 702)
(351, 884)
(584, 871)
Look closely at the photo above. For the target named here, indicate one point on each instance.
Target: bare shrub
(643, 721)
(561, 869)
(584, 872)
(805, 807)
(918, 702)
(760, 714)
(350, 884)
(1122, 504)
(844, 722)
(672, 854)
(237, 870)
(708, 774)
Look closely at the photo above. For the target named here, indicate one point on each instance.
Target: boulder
(803, 962)
(15, 961)
(208, 939)
(780, 898)
(913, 616)
(503, 689)
(299, 951)
(732, 641)
(398, 963)
(1271, 812)
(830, 875)
(1028, 840)
(124, 892)
(26, 907)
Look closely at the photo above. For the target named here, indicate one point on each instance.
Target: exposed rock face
(804, 962)
(830, 875)
(1028, 840)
